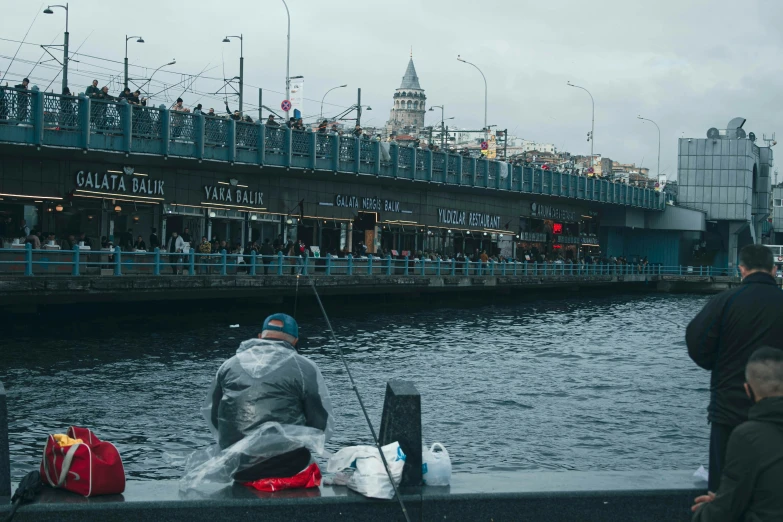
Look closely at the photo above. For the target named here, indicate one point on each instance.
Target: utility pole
(241, 67)
(359, 108)
(260, 103)
(288, 59)
(140, 40)
(48, 10)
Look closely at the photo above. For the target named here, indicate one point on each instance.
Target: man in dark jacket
(753, 473)
(23, 100)
(154, 241)
(266, 385)
(93, 91)
(722, 337)
(267, 254)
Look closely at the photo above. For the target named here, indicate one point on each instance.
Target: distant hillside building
(407, 115)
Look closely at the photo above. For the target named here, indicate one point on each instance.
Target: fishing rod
(193, 80)
(358, 396)
(21, 43)
(179, 83)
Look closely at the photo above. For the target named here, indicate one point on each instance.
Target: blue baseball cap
(282, 323)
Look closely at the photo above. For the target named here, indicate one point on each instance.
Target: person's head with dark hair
(764, 374)
(756, 258)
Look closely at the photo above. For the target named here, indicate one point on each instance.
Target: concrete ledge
(550, 496)
(19, 290)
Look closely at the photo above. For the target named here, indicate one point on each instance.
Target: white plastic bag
(436, 466)
(370, 478)
(701, 474)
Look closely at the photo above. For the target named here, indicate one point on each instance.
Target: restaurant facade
(103, 195)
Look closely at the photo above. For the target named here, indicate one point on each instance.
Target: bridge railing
(23, 260)
(31, 117)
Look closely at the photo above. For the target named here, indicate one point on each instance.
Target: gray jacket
(267, 381)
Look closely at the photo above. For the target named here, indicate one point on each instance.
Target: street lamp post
(48, 10)
(659, 143)
(241, 67)
(592, 127)
(485, 86)
(327, 92)
(288, 59)
(172, 62)
(140, 40)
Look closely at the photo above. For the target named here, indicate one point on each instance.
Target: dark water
(556, 384)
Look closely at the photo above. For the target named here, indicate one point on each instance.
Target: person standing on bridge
(175, 246)
(723, 335)
(154, 241)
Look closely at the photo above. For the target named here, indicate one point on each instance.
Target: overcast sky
(687, 64)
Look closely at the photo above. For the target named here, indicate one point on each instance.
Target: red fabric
(96, 467)
(310, 477)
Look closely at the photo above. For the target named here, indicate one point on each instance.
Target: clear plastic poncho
(265, 401)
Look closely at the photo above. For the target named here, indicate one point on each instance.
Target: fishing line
(358, 396)
(225, 96)
(22, 43)
(296, 295)
(674, 322)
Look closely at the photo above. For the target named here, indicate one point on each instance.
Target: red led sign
(557, 228)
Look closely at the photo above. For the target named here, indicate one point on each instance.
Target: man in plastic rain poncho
(268, 408)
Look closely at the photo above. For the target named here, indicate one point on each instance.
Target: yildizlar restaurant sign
(116, 182)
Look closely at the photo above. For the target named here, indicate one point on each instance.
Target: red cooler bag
(92, 467)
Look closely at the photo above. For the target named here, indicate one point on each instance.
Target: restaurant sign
(234, 195)
(548, 212)
(115, 181)
(373, 204)
(470, 219)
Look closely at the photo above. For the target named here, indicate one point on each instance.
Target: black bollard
(401, 422)
(5, 459)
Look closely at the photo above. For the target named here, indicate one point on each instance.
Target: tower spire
(411, 51)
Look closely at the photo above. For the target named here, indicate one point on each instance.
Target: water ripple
(569, 384)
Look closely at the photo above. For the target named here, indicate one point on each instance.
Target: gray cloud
(687, 65)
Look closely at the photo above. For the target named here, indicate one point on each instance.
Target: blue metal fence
(85, 123)
(24, 261)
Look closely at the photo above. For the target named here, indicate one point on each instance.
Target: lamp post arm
(324, 97)
(485, 88)
(592, 124)
(659, 142)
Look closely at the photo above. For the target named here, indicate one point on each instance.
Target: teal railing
(25, 261)
(32, 117)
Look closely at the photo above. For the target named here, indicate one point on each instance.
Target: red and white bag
(92, 467)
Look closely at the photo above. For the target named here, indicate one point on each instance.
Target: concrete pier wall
(21, 291)
(505, 496)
